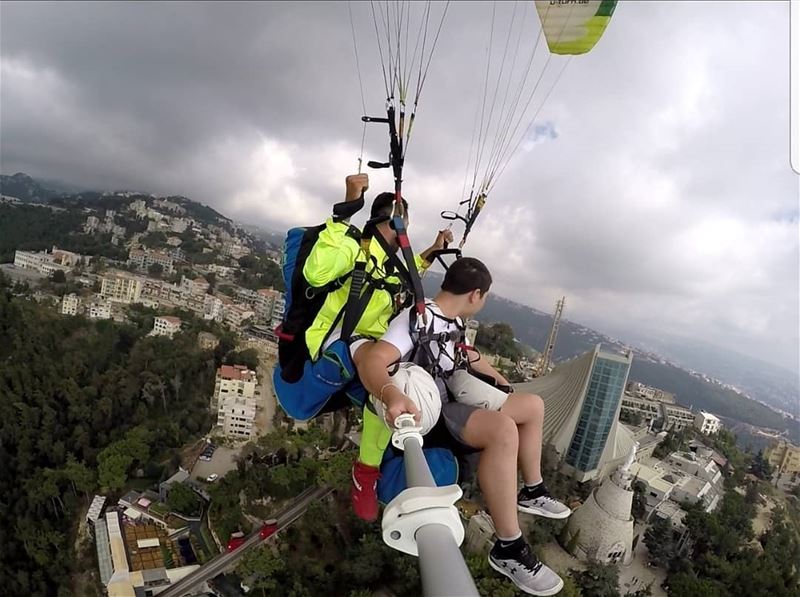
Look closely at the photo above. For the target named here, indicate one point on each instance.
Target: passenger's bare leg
(527, 411)
(496, 435)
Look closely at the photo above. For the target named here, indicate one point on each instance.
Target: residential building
(207, 341)
(582, 399)
(640, 390)
(179, 225)
(706, 423)
(236, 315)
(144, 258)
(121, 287)
(100, 310)
(646, 408)
(235, 417)
(197, 286)
(264, 304)
(601, 529)
(675, 416)
(278, 307)
(174, 241)
(222, 271)
(29, 260)
(70, 304)
(213, 308)
(92, 223)
(166, 325)
(783, 457)
(139, 207)
(235, 395)
(233, 380)
(681, 477)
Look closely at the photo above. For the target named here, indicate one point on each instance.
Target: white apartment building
(277, 310)
(166, 325)
(675, 416)
(46, 263)
(100, 310)
(139, 207)
(642, 391)
(92, 222)
(235, 394)
(144, 258)
(196, 286)
(706, 423)
(223, 271)
(265, 304)
(646, 408)
(179, 225)
(213, 308)
(236, 315)
(121, 287)
(29, 259)
(70, 304)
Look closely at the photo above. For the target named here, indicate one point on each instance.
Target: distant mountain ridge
(23, 187)
(692, 388)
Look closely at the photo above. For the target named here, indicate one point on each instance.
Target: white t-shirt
(399, 336)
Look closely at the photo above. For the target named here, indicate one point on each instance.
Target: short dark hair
(465, 275)
(382, 205)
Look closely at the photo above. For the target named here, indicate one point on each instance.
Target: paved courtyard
(221, 462)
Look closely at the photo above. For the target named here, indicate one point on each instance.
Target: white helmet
(420, 387)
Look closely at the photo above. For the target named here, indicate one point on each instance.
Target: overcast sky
(654, 191)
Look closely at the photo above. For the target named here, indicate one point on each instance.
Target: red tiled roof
(236, 372)
(171, 319)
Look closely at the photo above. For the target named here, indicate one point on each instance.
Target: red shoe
(364, 491)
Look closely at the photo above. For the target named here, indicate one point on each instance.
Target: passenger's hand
(396, 403)
(355, 184)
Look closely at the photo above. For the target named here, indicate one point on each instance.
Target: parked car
(212, 477)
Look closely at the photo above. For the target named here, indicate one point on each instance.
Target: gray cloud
(654, 191)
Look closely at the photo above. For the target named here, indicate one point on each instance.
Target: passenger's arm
(373, 361)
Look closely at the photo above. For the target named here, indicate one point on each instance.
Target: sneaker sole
(544, 513)
(525, 589)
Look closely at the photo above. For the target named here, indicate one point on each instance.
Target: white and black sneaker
(537, 500)
(516, 561)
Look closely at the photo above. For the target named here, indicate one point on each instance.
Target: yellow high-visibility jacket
(334, 255)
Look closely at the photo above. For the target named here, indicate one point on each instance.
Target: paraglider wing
(574, 26)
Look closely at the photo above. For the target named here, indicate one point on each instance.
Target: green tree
(183, 500)
(155, 270)
(261, 569)
(639, 505)
(760, 467)
(498, 338)
(598, 580)
(58, 276)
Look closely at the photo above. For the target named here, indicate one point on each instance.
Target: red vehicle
(235, 541)
(269, 527)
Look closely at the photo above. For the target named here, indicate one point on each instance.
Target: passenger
(505, 432)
